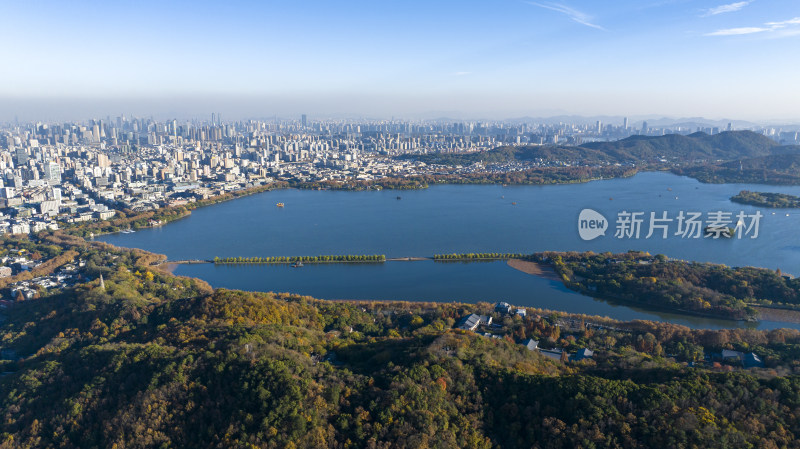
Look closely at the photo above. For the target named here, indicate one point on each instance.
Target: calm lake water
(455, 218)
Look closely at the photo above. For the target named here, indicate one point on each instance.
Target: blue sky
(728, 58)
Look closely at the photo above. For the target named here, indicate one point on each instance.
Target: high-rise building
(21, 157)
(304, 120)
(7, 192)
(52, 172)
(644, 127)
(625, 123)
(103, 161)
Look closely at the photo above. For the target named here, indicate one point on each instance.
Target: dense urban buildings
(84, 171)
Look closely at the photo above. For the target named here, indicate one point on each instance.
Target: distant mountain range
(697, 122)
(636, 123)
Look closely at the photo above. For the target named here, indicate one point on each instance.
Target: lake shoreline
(236, 194)
(443, 219)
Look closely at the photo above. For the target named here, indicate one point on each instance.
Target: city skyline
(680, 58)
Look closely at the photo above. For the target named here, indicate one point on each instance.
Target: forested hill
(731, 145)
(789, 161)
(698, 146)
(779, 169)
(151, 360)
(513, 154)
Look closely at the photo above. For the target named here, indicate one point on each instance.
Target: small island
(764, 199)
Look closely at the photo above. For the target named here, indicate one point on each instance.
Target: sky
(416, 59)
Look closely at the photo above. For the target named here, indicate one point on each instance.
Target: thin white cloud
(738, 31)
(785, 23)
(783, 28)
(573, 14)
(722, 9)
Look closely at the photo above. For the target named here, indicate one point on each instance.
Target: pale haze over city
(466, 59)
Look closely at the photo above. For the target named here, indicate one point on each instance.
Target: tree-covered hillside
(676, 285)
(151, 360)
(698, 146)
(778, 169)
(675, 148)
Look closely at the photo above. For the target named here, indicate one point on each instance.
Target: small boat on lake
(297, 265)
(279, 204)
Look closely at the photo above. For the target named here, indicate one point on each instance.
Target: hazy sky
(735, 59)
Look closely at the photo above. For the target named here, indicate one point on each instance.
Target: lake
(456, 219)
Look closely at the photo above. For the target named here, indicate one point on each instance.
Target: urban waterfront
(459, 218)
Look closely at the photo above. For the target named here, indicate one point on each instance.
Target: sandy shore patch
(782, 315)
(168, 267)
(534, 268)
